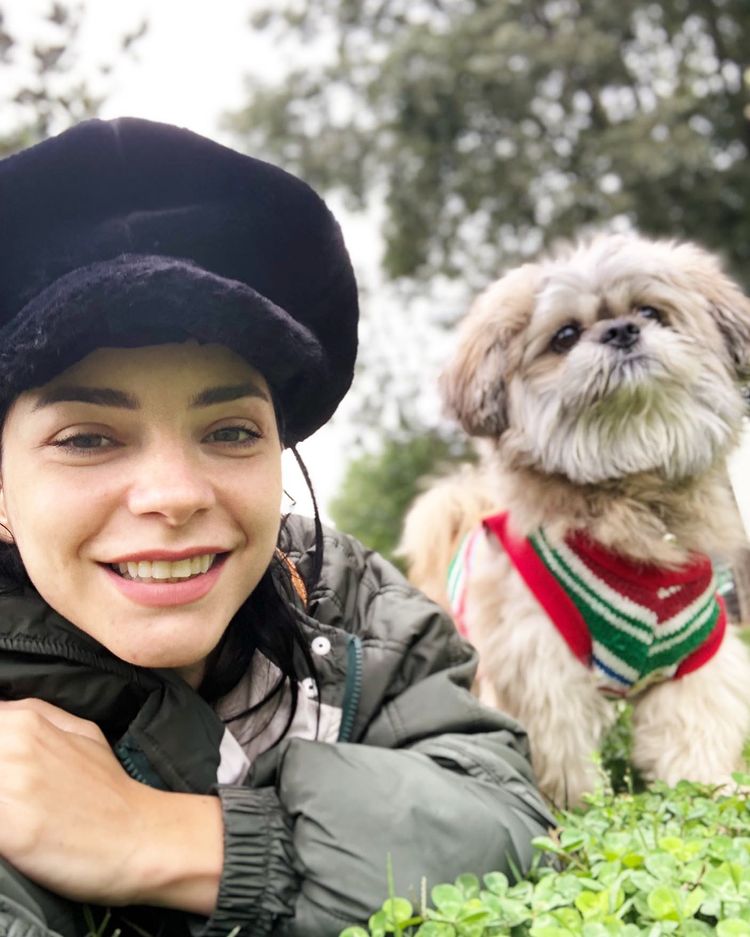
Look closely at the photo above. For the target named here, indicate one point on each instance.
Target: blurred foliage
(486, 130)
(492, 128)
(43, 88)
(378, 486)
(666, 862)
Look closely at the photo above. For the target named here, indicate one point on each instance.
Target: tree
(493, 127)
(50, 92)
(379, 485)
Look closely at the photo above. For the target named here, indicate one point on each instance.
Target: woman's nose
(170, 483)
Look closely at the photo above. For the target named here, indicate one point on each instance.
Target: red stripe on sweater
(548, 592)
(647, 575)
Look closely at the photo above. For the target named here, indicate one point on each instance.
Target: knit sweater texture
(631, 623)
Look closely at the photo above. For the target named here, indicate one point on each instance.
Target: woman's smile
(161, 566)
(157, 587)
(142, 488)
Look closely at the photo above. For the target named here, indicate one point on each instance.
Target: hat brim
(136, 300)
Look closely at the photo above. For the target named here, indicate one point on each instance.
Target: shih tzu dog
(606, 383)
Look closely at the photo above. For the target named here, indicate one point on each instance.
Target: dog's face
(622, 356)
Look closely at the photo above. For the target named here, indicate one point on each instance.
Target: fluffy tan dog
(606, 383)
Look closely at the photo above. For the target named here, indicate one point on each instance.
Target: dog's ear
(729, 306)
(473, 385)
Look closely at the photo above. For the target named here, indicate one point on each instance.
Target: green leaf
(556, 890)
(568, 918)
(354, 932)
(468, 885)
(593, 904)
(548, 927)
(721, 882)
(664, 904)
(472, 911)
(692, 901)
(616, 845)
(448, 899)
(683, 850)
(397, 910)
(662, 866)
(733, 927)
(496, 882)
(596, 930)
(378, 924)
(436, 929)
(515, 912)
(521, 891)
(572, 839)
(548, 845)
(632, 860)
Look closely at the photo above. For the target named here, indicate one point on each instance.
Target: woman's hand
(73, 821)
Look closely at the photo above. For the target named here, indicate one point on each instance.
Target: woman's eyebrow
(225, 394)
(72, 393)
(110, 397)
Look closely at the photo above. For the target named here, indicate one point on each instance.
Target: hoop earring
(11, 540)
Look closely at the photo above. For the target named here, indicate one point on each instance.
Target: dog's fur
(628, 445)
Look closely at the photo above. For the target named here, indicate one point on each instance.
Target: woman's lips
(158, 594)
(170, 555)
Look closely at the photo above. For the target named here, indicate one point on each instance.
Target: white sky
(188, 70)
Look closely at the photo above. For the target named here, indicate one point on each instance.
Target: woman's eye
(650, 312)
(234, 435)
(84, 442)
(566, 338)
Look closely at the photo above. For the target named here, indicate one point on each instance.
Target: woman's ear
(473, 385)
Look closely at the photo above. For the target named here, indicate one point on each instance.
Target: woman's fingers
(72, 820)
(58, 717)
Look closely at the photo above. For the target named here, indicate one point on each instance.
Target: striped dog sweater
(633, 624)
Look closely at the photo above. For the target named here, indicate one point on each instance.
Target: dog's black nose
(622, 333)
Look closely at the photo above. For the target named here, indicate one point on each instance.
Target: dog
(605, 383)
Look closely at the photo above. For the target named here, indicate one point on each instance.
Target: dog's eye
(567, 336)
(650, 312)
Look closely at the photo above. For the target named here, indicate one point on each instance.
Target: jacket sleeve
(28, 910)
(436, 781)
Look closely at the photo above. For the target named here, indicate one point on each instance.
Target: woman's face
(143, 488)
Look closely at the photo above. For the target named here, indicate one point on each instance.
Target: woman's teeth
(164, 570)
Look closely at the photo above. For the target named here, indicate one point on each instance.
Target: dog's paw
(565, 787)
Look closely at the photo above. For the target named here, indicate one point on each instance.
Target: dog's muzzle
(622, 333)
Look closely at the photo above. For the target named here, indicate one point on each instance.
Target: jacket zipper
(352, 688)
(130, 764)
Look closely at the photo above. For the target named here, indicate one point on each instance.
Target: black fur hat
(130, 233)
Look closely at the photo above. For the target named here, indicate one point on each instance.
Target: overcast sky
(186, 70)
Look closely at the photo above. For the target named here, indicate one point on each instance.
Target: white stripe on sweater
(602, 590)
(615, 663)
(672, 625)
(643, 635)
(660, 646)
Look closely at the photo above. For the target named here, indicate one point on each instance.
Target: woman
(207, 710)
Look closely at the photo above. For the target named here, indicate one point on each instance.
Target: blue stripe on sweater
(609, 672)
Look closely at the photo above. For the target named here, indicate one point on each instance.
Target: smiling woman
(206, 718)
(152, 459)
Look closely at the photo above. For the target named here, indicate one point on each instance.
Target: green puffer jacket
(395, 758)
